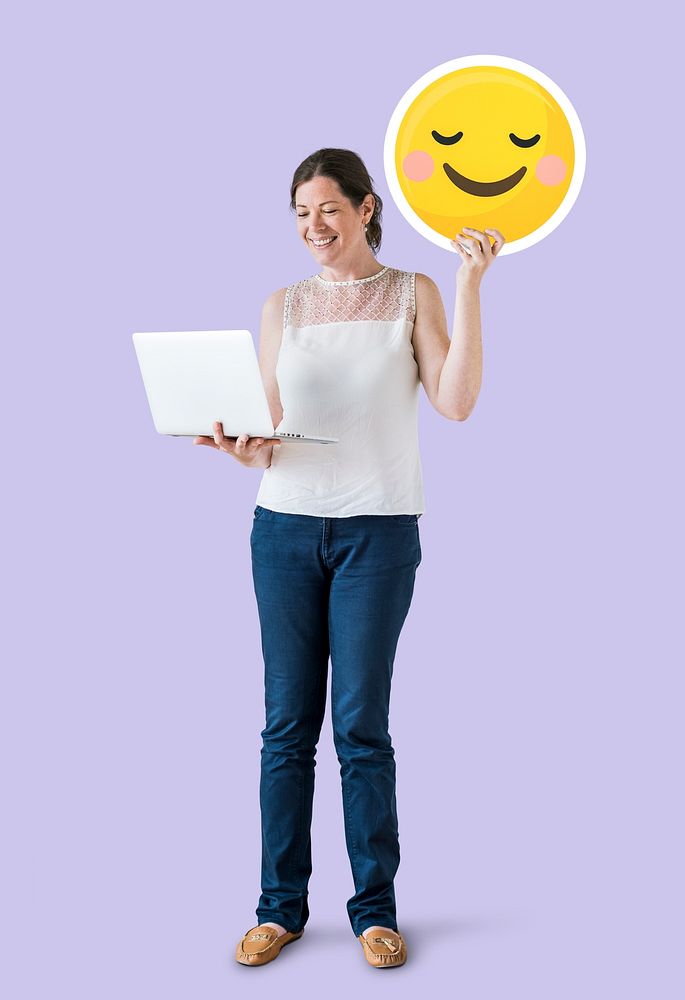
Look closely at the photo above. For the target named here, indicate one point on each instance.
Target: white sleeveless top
(346, 369)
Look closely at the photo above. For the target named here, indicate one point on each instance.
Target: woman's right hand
(246, 450)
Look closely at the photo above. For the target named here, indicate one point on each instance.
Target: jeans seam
(345, 790)
(298, 856)
(348, 816)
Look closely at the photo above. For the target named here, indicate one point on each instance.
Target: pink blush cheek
(418, 166)
(550, 170)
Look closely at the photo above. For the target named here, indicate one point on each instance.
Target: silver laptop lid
(194, 377)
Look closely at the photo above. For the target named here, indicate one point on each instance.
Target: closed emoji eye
(446, 140)
(450, 140)
(523, 143)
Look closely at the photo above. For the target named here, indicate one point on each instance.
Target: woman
(335, 538)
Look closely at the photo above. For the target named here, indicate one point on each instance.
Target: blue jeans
(338, 586)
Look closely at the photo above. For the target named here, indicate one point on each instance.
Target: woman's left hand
(476, 253)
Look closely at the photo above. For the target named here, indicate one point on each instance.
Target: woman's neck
(365, 268)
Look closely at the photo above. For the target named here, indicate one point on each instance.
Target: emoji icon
(487, 142)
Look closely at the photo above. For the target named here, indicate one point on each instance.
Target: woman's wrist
(262, 459)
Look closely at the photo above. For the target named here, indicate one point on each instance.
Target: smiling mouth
(485, 189)
(321, 246)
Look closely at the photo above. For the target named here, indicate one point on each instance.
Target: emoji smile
(485, 189)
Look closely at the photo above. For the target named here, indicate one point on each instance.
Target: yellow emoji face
(486, 142)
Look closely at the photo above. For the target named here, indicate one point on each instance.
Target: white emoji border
(449, 67)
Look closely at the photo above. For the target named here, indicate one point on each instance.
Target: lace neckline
(354, 281)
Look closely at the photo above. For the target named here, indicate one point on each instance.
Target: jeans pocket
(258, 511)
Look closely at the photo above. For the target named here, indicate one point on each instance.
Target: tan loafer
(384, 949)
(262, 944)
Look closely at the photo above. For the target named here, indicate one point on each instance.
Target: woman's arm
(451, 370)
(462, 372)
(270, 335)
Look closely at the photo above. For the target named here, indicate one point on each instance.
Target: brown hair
(353, 179)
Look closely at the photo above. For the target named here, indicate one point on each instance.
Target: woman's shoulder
(409, 280)
(273, 310)
(424, 281)
(276, 298)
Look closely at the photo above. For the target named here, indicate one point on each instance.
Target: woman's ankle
(281, 930)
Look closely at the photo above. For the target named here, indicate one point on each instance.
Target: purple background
(537, 702)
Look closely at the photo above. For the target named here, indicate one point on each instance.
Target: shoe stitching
(259, 936)
(396, 946)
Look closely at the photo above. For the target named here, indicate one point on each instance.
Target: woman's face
(324, 213)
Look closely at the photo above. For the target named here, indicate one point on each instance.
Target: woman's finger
(239, 446)
(474, 241)
(218, 433)
(499, 240)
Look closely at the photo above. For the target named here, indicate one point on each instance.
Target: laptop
(193, 378)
